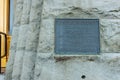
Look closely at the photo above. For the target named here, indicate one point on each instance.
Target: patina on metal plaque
(77, 36)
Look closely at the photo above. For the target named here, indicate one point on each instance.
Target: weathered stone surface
(21, 41)
(20, 49)
(18, 12)
(93, 67)
(36, 10)
(29, 57)
(10, 63)
(110, 35)
(39, 60)
(26, 12)
(101, 9)
(46, 40)
(17, 18)
(30, 52)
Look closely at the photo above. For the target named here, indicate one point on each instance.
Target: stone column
(26, 34)
(32, 41)
(15, 33)
(24, 25)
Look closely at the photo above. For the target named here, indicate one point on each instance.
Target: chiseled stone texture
(37, 60)
(110, 35)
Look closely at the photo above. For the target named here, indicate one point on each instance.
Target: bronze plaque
(77, 36)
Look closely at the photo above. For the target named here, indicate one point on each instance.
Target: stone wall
(32, 54)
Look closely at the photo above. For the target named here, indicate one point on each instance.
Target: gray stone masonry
(32, 54)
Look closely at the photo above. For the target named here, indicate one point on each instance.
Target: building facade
(32, 55)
